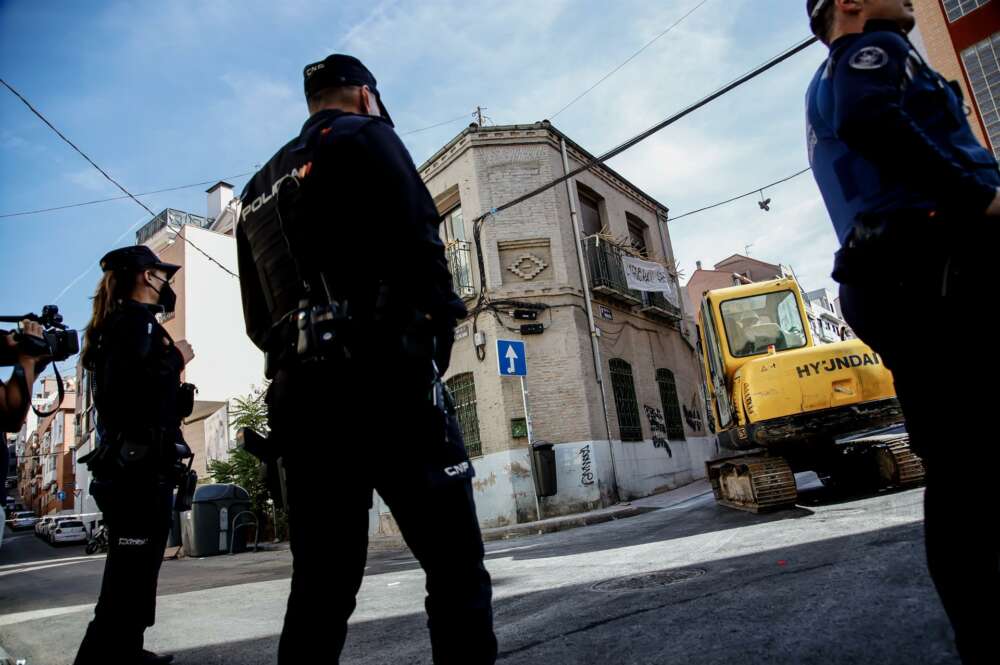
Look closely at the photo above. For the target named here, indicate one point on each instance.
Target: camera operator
(140, 402)
(15, 395)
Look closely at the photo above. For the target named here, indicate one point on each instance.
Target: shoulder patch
(870, 57)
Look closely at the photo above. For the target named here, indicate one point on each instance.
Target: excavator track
(899, 466)
(752, 483)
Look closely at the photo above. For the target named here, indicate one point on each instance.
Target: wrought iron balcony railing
(459, 255)
(607, 274)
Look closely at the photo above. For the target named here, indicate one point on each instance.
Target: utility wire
(628, 60)
(741, 196)
(119, 198)
(112, 180)
(757, 71)
(440, 124)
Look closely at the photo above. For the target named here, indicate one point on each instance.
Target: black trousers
(939, 351)
(137, 517)
(342, 438)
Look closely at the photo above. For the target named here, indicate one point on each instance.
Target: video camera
(56, 341)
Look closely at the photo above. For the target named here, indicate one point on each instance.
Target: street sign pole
(512, 361)
(531, 439)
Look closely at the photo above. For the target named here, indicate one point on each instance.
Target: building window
(956, 9)
(590, 211)
(982, 65)
(454, 226)
(637, 233)
(671, 404)
(629, 424)
(463, 392)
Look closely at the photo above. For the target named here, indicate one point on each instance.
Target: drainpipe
(594, 339)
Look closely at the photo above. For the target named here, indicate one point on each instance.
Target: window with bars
(982, 65)
(463, 392)
(956, 9)
(672, 415)
(623, 386)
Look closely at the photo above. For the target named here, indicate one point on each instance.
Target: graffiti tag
(587, 474)
(658, 426)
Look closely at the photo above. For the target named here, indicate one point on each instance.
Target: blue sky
(173, 92)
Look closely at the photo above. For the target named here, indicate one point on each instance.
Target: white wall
(226, 363)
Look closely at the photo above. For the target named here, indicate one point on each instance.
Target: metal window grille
(956, 9)
(671, 404)
(463, 392)
(982, 64)
(629, 424)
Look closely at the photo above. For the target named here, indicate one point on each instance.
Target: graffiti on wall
(692, 414)
(587, 467)
(658, 426)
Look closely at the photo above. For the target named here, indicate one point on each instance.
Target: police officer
(914, 199)
(140, 402)
(347, 290)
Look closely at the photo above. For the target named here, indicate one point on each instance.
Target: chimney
(219, 195)
(698, 264)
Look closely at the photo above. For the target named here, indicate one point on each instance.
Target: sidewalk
(667, 499)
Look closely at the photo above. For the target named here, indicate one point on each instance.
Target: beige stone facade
(530, 258)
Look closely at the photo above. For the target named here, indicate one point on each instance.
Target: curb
(560, 523)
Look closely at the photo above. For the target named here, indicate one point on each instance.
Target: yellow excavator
(780, 403)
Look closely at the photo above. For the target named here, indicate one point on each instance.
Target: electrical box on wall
(526, 314)
(532, 329)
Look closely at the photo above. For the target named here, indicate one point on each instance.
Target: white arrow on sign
(511, 357)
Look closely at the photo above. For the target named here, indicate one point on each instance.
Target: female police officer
(140, 402)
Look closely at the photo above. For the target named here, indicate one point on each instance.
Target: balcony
(175, 218)
(607, 275)
(459, 254)
(656, 304)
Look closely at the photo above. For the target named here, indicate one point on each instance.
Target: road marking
(4, 573)
(47, 561)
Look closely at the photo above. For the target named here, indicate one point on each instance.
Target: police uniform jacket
(887, 134)
(343, 199)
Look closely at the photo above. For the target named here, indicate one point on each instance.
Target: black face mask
(167, 299)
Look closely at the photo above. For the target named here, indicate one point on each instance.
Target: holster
(269, 452)
(902, 248)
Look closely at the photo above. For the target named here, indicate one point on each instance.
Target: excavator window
(754, 323)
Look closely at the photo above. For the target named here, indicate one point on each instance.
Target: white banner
(217, 435)
(648, 276)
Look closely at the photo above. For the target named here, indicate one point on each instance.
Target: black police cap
(813, 9)
(339, 70)
(135, 258)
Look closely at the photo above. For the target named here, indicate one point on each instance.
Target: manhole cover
(644, 581)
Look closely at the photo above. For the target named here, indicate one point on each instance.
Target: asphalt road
(836, 580)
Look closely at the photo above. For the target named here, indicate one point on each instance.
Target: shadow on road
(859, 598)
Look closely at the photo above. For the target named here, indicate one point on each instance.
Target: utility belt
(901, 248)
(153, 452)
(309, 333)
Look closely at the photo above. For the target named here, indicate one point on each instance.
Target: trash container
(207, 529)
(543, 462)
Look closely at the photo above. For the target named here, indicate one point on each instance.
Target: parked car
(50, 523)
(68, 531)
(24, 519)
(41, 525)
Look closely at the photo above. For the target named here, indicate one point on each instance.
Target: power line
(440, 124)
(757, 71)
(741, 196)
(119, 198)
(112, 180)
(629, 59)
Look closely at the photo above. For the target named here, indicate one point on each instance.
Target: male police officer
(347, 290)
(914, 200)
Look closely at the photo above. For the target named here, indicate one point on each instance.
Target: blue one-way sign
(510, 358)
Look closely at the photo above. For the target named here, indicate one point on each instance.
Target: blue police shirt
(886, 133)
